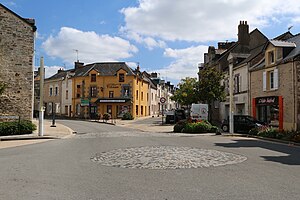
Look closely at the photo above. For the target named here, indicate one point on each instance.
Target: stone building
(16, 63)
(275, 84)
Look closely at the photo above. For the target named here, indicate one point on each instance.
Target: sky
(164, 36)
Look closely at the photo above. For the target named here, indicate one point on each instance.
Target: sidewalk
(50, 133)
(145, 127)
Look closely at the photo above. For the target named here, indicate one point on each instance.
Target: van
(199, 111)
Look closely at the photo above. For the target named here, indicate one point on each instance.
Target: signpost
(162, 101)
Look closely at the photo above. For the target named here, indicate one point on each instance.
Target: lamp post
(53, 116)
(41, 106)
(231, 100)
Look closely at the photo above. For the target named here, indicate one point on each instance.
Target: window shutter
(276, 79)
(264, 81)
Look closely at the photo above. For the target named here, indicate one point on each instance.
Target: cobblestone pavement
(166, 157)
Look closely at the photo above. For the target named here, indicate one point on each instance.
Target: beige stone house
(16, 63)
(275, 84)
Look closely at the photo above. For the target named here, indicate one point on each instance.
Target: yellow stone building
(110, 87)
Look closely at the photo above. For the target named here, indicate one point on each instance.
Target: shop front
(115, 107)
(269, 110)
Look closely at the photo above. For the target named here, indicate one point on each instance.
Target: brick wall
(16, 67)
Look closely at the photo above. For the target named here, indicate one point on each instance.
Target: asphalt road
(68, 168)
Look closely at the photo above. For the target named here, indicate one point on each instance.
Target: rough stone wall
(16, 67)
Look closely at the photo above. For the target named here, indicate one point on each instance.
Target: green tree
(186, 92)
(209, 87)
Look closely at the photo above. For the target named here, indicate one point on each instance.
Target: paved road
(110, 162)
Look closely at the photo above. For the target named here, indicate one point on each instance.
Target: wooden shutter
(264, 81)
(276, 78)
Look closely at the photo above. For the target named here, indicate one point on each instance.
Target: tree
(2, 87)
(186, 92)
(209, 86)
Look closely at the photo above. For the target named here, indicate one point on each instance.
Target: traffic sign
(162, 100)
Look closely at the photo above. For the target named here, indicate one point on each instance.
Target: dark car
(242, 124)
(174, 116)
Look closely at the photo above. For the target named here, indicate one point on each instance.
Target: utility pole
(42, 109)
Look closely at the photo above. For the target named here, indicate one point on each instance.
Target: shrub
(15, 128)
(201, 126)
(106, 116)
(127, 116)
(179, 126)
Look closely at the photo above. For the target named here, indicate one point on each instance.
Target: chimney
(154, 75)
(78, 65)
(243, 33)
(138, 68)
(60, 70)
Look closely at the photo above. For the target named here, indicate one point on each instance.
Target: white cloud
(185, 64)
(91, 46)
(149, 42)
(203, 20)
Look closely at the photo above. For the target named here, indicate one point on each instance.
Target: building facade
(16, 63)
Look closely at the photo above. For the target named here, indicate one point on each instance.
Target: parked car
(242, 124)
(174, 116)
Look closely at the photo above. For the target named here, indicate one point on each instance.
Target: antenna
(76, 50)
(289, 28)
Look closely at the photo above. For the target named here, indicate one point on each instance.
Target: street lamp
(53, 115)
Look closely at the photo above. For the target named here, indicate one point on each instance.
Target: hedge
(194, 127)
(16, 128)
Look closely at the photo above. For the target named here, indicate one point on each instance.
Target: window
(270, 80)
(78, 109)
(152, 96)
(136, 110)
(271, 57)
(142, 96)
(111, 94)
(147, 96)
(125, 91)
(78, 91)
(137, 95)
(67, 94)
(237, 83)
(50, 91)
(93, 77)
(56, 91)
(121, 77)
(93, 91)
(142, 110)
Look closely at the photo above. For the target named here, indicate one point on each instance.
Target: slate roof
(296, 50)
(280, 43)
(105, 68)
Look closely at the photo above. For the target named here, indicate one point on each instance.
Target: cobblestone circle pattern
(166, 157)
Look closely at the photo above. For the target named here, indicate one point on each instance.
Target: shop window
(78, 109)
(142, 110)
(121, 77)
(270, 80)
(136, 110)
(111, 94)
(93, 91)
(93, 77)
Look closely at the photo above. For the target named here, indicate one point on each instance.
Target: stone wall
(16, 64)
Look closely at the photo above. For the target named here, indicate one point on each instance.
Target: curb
(28, 138)
(289, 143)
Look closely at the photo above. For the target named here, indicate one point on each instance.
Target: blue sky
(164, 36)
